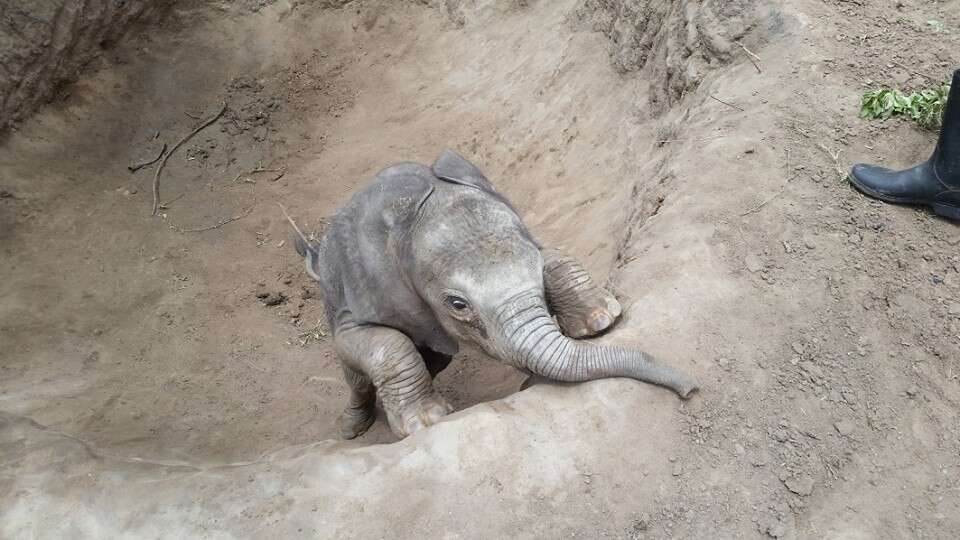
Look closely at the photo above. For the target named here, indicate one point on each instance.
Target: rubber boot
(935, 182)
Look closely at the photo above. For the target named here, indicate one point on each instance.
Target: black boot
(935, 182)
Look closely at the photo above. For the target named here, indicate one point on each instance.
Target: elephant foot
(581, 306)
(588, 312)
(418, 415)
(355, 421)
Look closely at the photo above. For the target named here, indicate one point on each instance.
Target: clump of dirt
(670, 44)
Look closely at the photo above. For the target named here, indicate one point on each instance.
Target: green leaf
(924, 107)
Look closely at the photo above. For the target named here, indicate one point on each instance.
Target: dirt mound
(670, 44)
(45, 43)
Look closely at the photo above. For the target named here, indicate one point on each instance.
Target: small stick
(292, 222)
(164, 206)
(195, 117)
(836, 160)
(727, 104)
(254, 366)
(156, 176)
(691, 140)
(835, 156)
(138, 166)
(281, 170)
(219, 224)
(753, 58)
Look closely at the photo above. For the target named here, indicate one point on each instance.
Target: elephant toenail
(599, 320)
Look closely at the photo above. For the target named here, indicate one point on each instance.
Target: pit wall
(44, 43)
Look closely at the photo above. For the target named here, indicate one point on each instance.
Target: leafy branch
(924, 107)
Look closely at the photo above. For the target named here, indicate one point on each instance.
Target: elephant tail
(305, 248)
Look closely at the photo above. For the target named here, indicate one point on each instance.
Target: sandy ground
(140, 368)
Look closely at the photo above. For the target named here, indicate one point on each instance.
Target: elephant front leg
(582, 307)
(391, 362)
(361, 411)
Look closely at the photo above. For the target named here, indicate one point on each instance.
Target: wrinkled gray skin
(427, 258)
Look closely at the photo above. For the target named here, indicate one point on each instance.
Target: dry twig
(725, 103)
(259, 169)
(715, 137)
(835, 156)
(138, 166)
(302, 236)
(753, 58)
(316, 333)
(164, 206)
(219, 224)
(156, 176)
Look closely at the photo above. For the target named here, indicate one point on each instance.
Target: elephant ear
(403, 189)
(453, 167)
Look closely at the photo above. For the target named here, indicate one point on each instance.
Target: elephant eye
(456, 303)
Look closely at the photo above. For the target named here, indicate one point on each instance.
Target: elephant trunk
(530, 339)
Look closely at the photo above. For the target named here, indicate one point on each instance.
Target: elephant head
(481, 272)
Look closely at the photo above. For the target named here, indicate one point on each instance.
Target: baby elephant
(427, 258)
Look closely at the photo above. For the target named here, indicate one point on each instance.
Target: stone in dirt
(776, 530)
(773, 527)
(642, 523)
(272, 299)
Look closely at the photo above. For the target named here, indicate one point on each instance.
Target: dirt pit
(173, 376)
